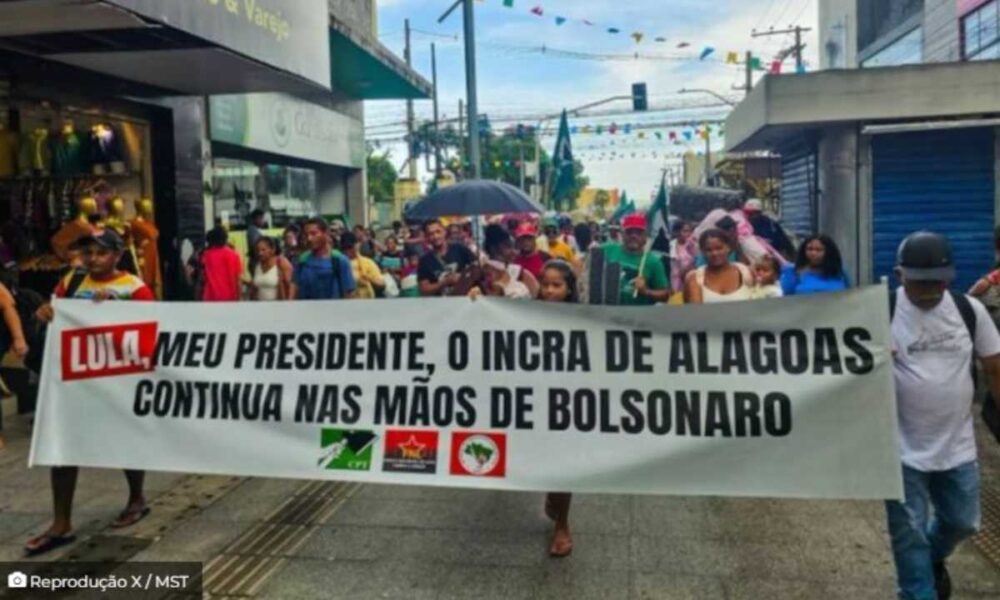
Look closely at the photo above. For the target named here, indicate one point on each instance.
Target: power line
(763, 16)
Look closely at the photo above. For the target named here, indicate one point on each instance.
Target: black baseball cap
(926, 256)
(105, 238)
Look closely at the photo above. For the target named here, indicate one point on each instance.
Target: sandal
(562, 544)
(130, 516)
(46, 543)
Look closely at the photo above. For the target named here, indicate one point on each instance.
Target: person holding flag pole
(644, 278)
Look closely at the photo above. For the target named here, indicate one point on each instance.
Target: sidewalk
(294, 539)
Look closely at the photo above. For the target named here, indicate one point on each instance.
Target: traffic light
(639, 98)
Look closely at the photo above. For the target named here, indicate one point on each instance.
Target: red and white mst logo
(108, 351)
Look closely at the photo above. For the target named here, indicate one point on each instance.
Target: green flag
(658, 218)
(624, 207)
(563, 176)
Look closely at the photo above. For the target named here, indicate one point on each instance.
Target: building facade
(897, 133)
(207, 109)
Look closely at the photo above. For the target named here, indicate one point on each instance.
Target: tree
(381, 177)
(501, 155)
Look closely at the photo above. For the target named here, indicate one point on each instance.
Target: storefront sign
(784, 398)
(288, 126)
(293, 36)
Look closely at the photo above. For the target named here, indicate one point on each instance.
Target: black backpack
(990, 413)
(28, 302)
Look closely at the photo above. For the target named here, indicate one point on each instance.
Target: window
(878, 19)
(981, 32)
(288, 193)
(907, 50)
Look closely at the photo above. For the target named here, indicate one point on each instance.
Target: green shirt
(655, 272)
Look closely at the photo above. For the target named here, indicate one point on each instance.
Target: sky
(520, 83)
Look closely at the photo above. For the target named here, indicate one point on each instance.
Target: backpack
(991, 415)
(335, 265)
(35, 331)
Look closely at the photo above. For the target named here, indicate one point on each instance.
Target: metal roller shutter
(942, 181)
(798, 189)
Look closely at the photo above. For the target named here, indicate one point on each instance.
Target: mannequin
(75, 229)
(116, 221)
(146, 237)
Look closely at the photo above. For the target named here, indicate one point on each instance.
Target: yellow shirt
(366, 274)
(560, 249)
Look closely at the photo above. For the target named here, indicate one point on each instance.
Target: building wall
(838, 211)
(839, 25)
(942, 42)
(359, 15)
(838, 34)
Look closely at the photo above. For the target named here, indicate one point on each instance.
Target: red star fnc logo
(108, 351)
(410, 451)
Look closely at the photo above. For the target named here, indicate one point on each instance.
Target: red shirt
(533, 263)
(223, 268)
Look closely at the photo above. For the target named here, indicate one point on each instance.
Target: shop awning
(784, 107)
(364, 69)
(108, 39)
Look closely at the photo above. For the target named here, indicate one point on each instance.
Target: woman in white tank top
(720, 280)
(272, 275)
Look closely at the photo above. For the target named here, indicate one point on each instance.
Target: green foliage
(381, 177)
(501, 155)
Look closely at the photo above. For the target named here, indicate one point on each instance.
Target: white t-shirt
(934, 388)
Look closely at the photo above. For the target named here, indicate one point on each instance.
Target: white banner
(779, 398)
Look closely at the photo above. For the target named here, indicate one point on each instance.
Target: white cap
(753, 205)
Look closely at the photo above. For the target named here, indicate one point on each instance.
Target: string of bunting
(732, 57)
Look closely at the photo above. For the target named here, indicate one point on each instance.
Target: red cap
(525, 230)
(634, 221)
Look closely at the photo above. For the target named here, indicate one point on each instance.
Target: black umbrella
(472, 198)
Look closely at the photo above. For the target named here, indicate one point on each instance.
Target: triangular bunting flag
(614, 30)
(776, 67)
(560, 20)
(537, 11)
(732, 58)
(706, 52)
(683, 45)
(661, 39)
(637, 36)
(508, 3)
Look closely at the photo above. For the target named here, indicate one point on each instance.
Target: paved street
(293, 539)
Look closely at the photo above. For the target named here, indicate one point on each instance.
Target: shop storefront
(71, 162)
(162, 118)
(882, 168)
(290, 158)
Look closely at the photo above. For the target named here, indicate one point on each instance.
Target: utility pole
(437, 121)
(799, 47)
(749, 72)
(708, 159)
(463, 149)
(409, 109)
(472, 107)
(470, 93)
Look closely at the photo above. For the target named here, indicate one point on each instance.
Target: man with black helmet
(936, 335)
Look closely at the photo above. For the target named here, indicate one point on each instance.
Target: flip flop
(46, 543)
(129, 517)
